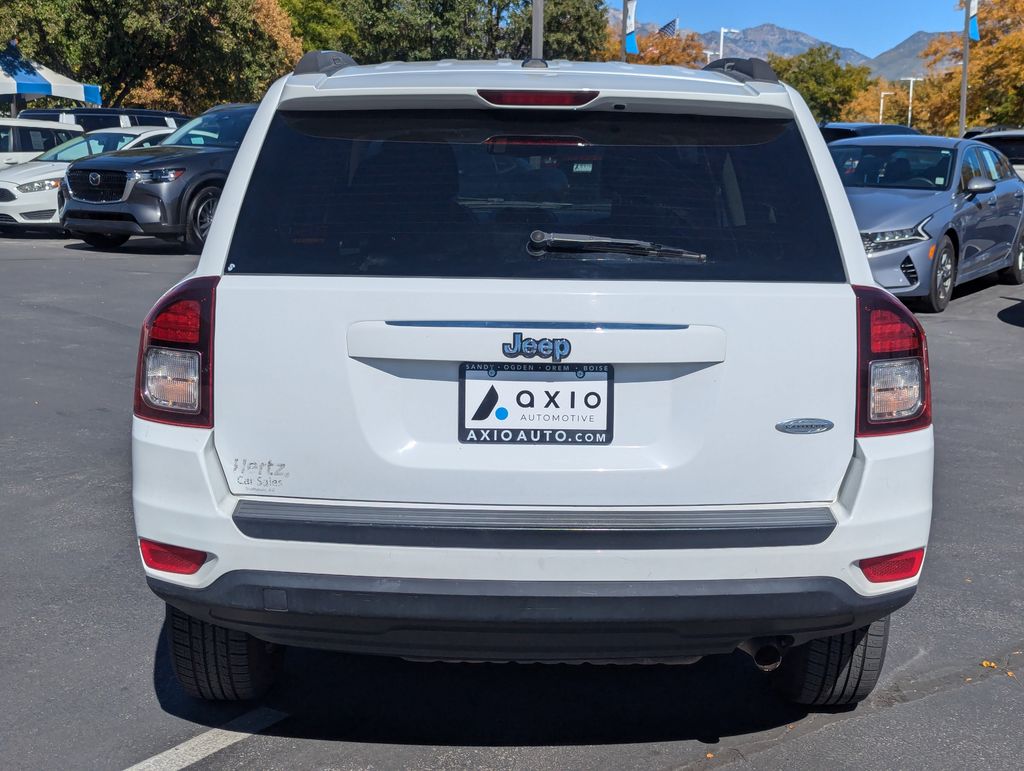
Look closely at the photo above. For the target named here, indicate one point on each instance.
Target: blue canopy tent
(23, 80)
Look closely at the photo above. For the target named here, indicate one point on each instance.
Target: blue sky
(870, 26)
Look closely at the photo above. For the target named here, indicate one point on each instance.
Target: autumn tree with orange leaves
(995, 78)
(864, 107)
(159, 53)
(685, 51)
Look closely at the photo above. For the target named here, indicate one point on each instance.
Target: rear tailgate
(318, 397)
(383, 332)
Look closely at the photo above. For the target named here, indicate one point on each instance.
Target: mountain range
(900, 61)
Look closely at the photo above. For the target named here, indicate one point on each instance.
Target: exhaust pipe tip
(766, 653)
(767, 658)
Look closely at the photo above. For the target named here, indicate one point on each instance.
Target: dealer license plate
(528, 403)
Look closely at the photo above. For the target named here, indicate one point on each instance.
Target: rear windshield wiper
(560, 244)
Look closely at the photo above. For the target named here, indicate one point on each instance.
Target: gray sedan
(933, 212)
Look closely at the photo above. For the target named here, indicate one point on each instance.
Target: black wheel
(104, 240)
(218, 664)
(835, 671)
(201, 209)
(943, 277)
(1014, 273)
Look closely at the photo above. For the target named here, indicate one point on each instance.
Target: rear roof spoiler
(323, 62)
(744, 70)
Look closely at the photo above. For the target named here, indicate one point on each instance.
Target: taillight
(171, 559)
(500, 144)
(174, 375)
(537, 98)
(892, 567)
(893, 389)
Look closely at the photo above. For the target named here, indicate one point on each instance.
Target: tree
(41, 26)
(230, 56)
(826, 85)
(320, 24)
(573, 29)
(995, 77)
(414, 30)
(685, 51)
(864, 107)
(160, 52)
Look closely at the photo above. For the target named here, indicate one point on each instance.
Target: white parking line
(209, 742)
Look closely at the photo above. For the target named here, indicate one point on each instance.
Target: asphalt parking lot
(83, 682)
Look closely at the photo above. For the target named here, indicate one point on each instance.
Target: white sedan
(28, 191)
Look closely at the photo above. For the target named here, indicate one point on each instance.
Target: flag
(669, 30)
(975, 34)
(631, 46)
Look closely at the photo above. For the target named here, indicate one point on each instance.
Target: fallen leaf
(710, 755)
(1009, 673)
(989, 664)
(968, 679)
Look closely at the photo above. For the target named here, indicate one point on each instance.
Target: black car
(92, 118)
(169, 191)
(975, 132)
(834, 131)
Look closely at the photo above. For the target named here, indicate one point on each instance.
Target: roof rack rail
(323, 62)
(744, 70)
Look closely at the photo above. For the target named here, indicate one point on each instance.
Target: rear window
(1011, 147)
(832, 134)
(458, 194)
(94, 122)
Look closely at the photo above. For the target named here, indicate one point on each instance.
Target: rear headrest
(897, 170)
(403, 170)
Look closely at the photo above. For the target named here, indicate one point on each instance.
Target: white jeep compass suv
(544, 362)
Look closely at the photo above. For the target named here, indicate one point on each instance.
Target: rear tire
(1014, 273)
(942, 279)
(835, 671)
(218, 664)
(104, 240)
(201, 209)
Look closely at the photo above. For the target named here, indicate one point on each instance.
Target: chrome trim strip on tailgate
(531, 529)
(560, 325)
(615, 344)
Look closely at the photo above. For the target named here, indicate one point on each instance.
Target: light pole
(722, 32)
(963, 68)
(881, 103)
(709, 54)
(537, 42)
(910, 106)
(625, 21)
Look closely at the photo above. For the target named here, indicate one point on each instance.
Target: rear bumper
(527, 620)
(509, 528)
(421, 591)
